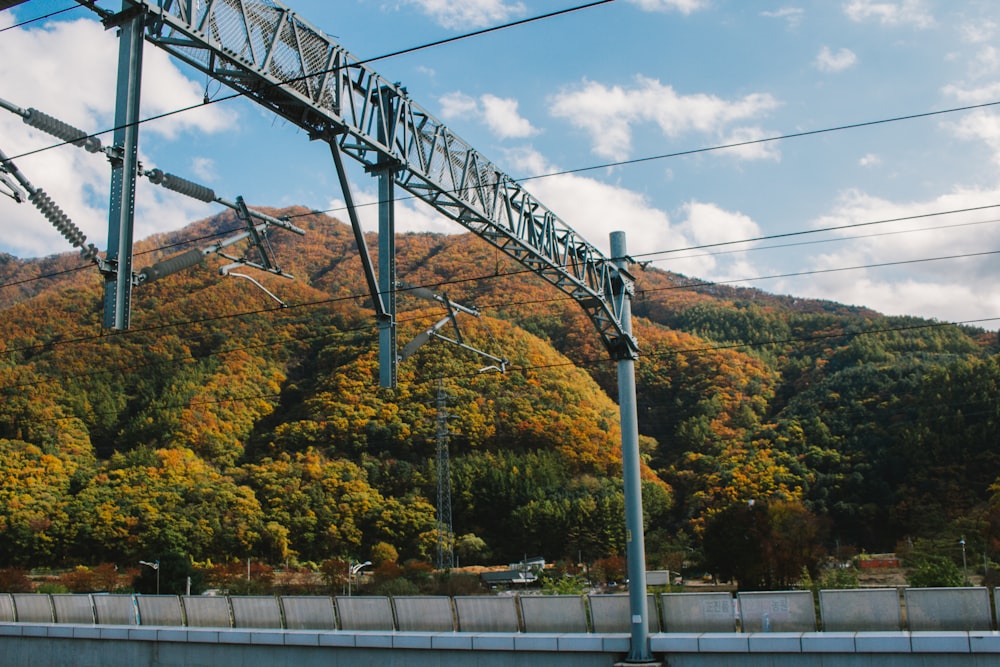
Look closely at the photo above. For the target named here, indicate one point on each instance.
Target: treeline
(224, 428)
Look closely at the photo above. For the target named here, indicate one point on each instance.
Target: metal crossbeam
(265, 51)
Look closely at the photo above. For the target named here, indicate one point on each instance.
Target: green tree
(934, 572)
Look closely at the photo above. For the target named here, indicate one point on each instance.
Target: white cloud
(411, 215)
(469, 13)
(982, 126)
(705, 224)
(499, 114)
(793, 15)
(67, 70)
(682, 6)
(203, 168)
(986, 62)
(977, 95)
(830, 61)
(944, 289)
(458, 105)
(981, 31)
(753, 147)
(594, 209)
(906, 12)
(870, 160)
(609, 113)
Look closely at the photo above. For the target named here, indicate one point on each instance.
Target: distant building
(524, 572)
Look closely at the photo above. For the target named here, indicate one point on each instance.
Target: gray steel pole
(124, 172)
(635, 543)
(387, 246)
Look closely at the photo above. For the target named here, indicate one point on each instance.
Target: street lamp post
(965, 567)
(156, 566)
(353, 569)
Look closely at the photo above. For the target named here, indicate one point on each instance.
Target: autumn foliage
(224, 428)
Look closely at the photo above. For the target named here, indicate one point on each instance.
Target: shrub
(934, 572)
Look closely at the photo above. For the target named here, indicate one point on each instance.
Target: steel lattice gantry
(263, 50)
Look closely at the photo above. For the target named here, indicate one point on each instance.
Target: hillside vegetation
(224, 427)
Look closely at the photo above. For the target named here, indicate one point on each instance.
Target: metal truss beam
(263, 50)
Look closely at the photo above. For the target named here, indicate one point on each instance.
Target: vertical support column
(387, 278)
(635, 543)
(124, 172)
(386, 169)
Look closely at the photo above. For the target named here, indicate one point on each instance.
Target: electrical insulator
(181, 185)
(89, 252)
(171, 265)
(59, 220)
(64, 131)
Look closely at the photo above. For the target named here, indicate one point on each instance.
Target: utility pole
(445, 529)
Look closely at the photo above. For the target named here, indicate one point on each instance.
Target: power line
(780, 137)
(412, 49)
(820, 230)
(41, 18)
(811, 272)
(838, 239)
(505, 304)
(707, 149)
(497, 306)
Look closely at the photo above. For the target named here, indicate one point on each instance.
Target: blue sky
(588, 90)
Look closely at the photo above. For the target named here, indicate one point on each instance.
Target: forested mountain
(223, 426)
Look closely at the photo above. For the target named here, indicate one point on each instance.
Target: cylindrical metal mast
(635, 543)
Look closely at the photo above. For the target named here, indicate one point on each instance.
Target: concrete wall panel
(33, 608)
(365, 613)
(70, 608)
(486, 613)
(115, 610)
(308, 612)
(553, 613)
(424, 613)
(860, 610)
(255, 611)
(698, 612)
(159, 610)
(948, 609)
(777, 611)
(611, 613)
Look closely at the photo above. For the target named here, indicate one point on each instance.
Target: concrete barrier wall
(948, 609)
(554, 613)
(365, 613)
(858, 610)
(256, 611)
(308, 612)
(486, 613)
(115, 609)
(71, 608)
(424, 613)
(611, 613)
(698, 612)
(118, 646)
(33, 608)
(777, 611)
(206, 611)
(159, 610)
(7, 608)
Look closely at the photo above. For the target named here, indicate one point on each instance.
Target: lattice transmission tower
(445, 527)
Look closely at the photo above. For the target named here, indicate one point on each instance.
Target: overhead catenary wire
(77, 139)
(42, 17)
(741, 143)
(476, 279)
(601, 361)
(363, 61)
